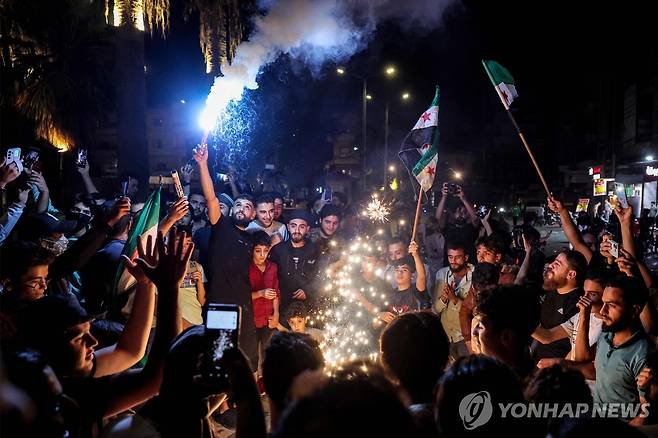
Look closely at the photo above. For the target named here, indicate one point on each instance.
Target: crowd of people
(471, 306)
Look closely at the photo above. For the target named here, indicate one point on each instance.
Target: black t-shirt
(555, 309)
(298, 269)
(407, 300)
(229, 255)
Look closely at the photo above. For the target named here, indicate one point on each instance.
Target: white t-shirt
(571, 327)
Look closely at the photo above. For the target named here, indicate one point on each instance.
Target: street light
(390, 71)
(391, 168)
(405, 96)
(458, 175)
(648, 158)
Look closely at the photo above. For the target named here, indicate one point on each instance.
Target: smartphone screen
(614, 248)
(223, 326)
(620, 191)
(328, 195)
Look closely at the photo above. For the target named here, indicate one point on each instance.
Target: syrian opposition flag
(502, 80)
(419, 151)
(145, 224)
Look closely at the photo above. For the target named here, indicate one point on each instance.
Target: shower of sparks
(349, 309)
(377, 210)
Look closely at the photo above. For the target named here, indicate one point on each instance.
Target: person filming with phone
(458, 221)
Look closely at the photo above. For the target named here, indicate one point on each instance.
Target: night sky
(557, 52)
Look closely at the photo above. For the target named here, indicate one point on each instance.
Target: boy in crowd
(192, 294)
(265, 293)
(408, 296)
(296, 315)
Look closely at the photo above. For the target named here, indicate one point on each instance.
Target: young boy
(407, 297)
(296, 314)
(192, 294)
(265, 294)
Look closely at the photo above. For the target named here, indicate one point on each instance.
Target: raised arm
(582, 351)
(176, 212)
(201, 157)
(440, 209)
(166, 272)
(421, 277)
(570, 229)
(37, 180)
(472, 215)
(90, 187)
(525, 265)
(133, 340)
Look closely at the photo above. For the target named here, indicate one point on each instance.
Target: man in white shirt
(452, 286)
(265, 220)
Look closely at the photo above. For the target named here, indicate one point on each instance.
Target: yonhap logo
(476, 409)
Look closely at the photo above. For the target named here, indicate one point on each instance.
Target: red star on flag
(504, 95)
(426, 116)
(425, 146)
(430, 171)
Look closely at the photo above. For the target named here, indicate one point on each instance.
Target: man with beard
(265, 220)
(459, 223)
(563, 286)
(229, 253)
(198, 211)
(453, 284)
(622, 349)
(297, 261)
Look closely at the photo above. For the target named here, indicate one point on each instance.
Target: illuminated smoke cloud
(312, 31)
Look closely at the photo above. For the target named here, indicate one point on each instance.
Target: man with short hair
(453, 284)
(459, 222)
(265, 220)
(621, 351)
(297, 261)
(505, 318)
(287, 356)
(278, 208)
(490, 249)
(396, 250)
(325, 238)
(563, 288)
(202, 236)
(198, 211)
(230, 252)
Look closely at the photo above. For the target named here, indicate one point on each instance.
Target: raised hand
(84, 170)
(39, 181)
(460, 193)
(186, 173)
(625, 215)
(626, 263)
(201, 154)
(120, 209)
(178, 209)
(554, 204)
(8, 174)
(167, 265)
(413, 248)
(584, 305)
(444, 189)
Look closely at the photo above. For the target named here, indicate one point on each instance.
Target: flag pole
(420, 200)
(527, 148)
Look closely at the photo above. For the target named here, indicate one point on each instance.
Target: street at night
(297, 218)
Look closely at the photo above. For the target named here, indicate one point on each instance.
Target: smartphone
(81, 161)
(13, 155)
(620, 192)
(223, 177)
(614, 248)
(328, 195)
(30, 159)
(222, 328)
(124, 187)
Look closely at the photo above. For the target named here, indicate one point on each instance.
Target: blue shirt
(617, 367)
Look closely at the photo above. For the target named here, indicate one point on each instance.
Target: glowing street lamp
(340, 71)
(390, 70)
(369, 97)
(391, 168)
(458, 175)
(405, 96)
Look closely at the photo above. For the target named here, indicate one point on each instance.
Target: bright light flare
(225, 90)
(378, 210)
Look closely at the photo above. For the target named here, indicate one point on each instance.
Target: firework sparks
(377, 210)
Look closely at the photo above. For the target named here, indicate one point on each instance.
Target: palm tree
(53, 56)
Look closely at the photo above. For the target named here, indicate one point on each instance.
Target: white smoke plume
(311, 31)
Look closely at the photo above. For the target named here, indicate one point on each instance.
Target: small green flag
(502, 80)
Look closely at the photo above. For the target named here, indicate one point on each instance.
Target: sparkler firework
(377, 210)
(350, 308)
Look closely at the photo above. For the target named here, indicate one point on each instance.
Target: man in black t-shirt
(297, 262)
(563, 285)
(229, 255)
